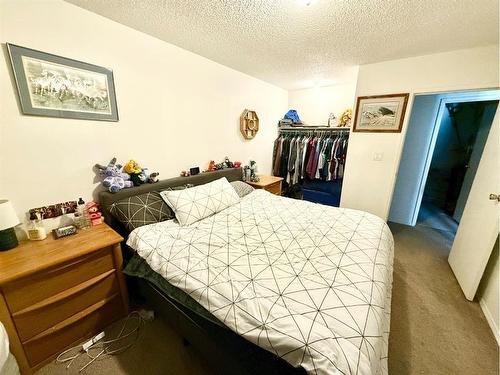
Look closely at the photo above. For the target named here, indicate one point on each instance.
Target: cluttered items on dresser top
(85, 215)
(250, 172)
(311, 158)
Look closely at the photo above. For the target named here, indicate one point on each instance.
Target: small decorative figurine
(227, 163)
(153, 178)
(95, 214)
(332, 120)
(253, 171)
(246, 173)
(211, 166)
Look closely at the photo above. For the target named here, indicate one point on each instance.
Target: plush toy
(114, 179)
(153, 178)
(345, 119)
(95, 215)
(237, 164)
(132, 167)
(211, 166)
(227, 163)
(137, 174)
(185, 174)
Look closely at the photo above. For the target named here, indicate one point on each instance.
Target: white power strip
(92, 341)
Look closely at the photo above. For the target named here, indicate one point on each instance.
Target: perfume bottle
(36, 230)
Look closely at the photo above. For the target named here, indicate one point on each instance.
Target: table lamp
(8, 220)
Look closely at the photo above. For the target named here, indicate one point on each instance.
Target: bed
(271, 284)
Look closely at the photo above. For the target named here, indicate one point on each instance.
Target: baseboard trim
(490, 320)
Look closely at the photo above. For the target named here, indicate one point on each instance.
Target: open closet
(311, 161)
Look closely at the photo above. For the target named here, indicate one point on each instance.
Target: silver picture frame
(56, 86)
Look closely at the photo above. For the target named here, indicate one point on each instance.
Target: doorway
(463, 130)
(445, 138)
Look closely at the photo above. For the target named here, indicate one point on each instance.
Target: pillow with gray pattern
(143, 209)
(242, 188)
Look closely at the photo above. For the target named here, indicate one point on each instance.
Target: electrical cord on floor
(96, 347)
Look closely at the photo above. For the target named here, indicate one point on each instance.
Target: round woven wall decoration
(249, 124)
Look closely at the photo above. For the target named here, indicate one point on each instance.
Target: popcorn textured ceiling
(295, 46)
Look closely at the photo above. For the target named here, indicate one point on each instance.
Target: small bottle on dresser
(82, 219)
(36, 231)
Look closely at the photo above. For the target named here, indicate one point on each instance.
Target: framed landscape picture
(55, 86)
(380, 113)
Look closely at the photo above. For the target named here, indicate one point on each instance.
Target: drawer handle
(64, 294)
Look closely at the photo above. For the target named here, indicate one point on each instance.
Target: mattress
(307, 282)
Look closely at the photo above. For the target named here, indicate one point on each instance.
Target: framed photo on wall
(55, 86)
(380, 113)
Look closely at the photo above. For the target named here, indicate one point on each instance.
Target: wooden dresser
(56, 293)
(270, 183)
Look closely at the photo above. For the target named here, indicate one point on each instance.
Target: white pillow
(199, 202)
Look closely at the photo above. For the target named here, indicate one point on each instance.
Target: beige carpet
(434, 330)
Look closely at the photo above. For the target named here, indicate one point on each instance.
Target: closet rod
(314, 129)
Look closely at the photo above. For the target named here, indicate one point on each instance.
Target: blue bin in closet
(324, 192)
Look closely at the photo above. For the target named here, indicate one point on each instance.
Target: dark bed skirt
(226, 352)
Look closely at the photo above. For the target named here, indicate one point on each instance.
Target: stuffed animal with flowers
(345, 119)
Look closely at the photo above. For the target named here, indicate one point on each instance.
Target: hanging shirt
(285, 154)
(321, 159)
(316, 158)
(312, 155)
(277, 156)
(291, 159)
(298, 160)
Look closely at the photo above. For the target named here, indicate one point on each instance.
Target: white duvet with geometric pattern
(307, 282)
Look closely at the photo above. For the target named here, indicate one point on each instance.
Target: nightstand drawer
(53, 310)
(274, 188)
(32, 289)
(69, 332)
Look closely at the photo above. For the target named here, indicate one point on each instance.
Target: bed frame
(226, 351)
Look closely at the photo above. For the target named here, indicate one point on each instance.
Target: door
(478, 227)
(415, 159)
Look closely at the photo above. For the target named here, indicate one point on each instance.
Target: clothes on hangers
(300, 156)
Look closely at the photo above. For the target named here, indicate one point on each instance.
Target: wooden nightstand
(270, 183)
(56, 293)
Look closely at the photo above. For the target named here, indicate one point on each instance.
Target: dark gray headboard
(106, 199)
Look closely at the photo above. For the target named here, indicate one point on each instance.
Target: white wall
(488, 293)
(368, 184)
(314, 105)
(177, 109)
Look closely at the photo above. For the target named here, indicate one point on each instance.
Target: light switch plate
(378, 156)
